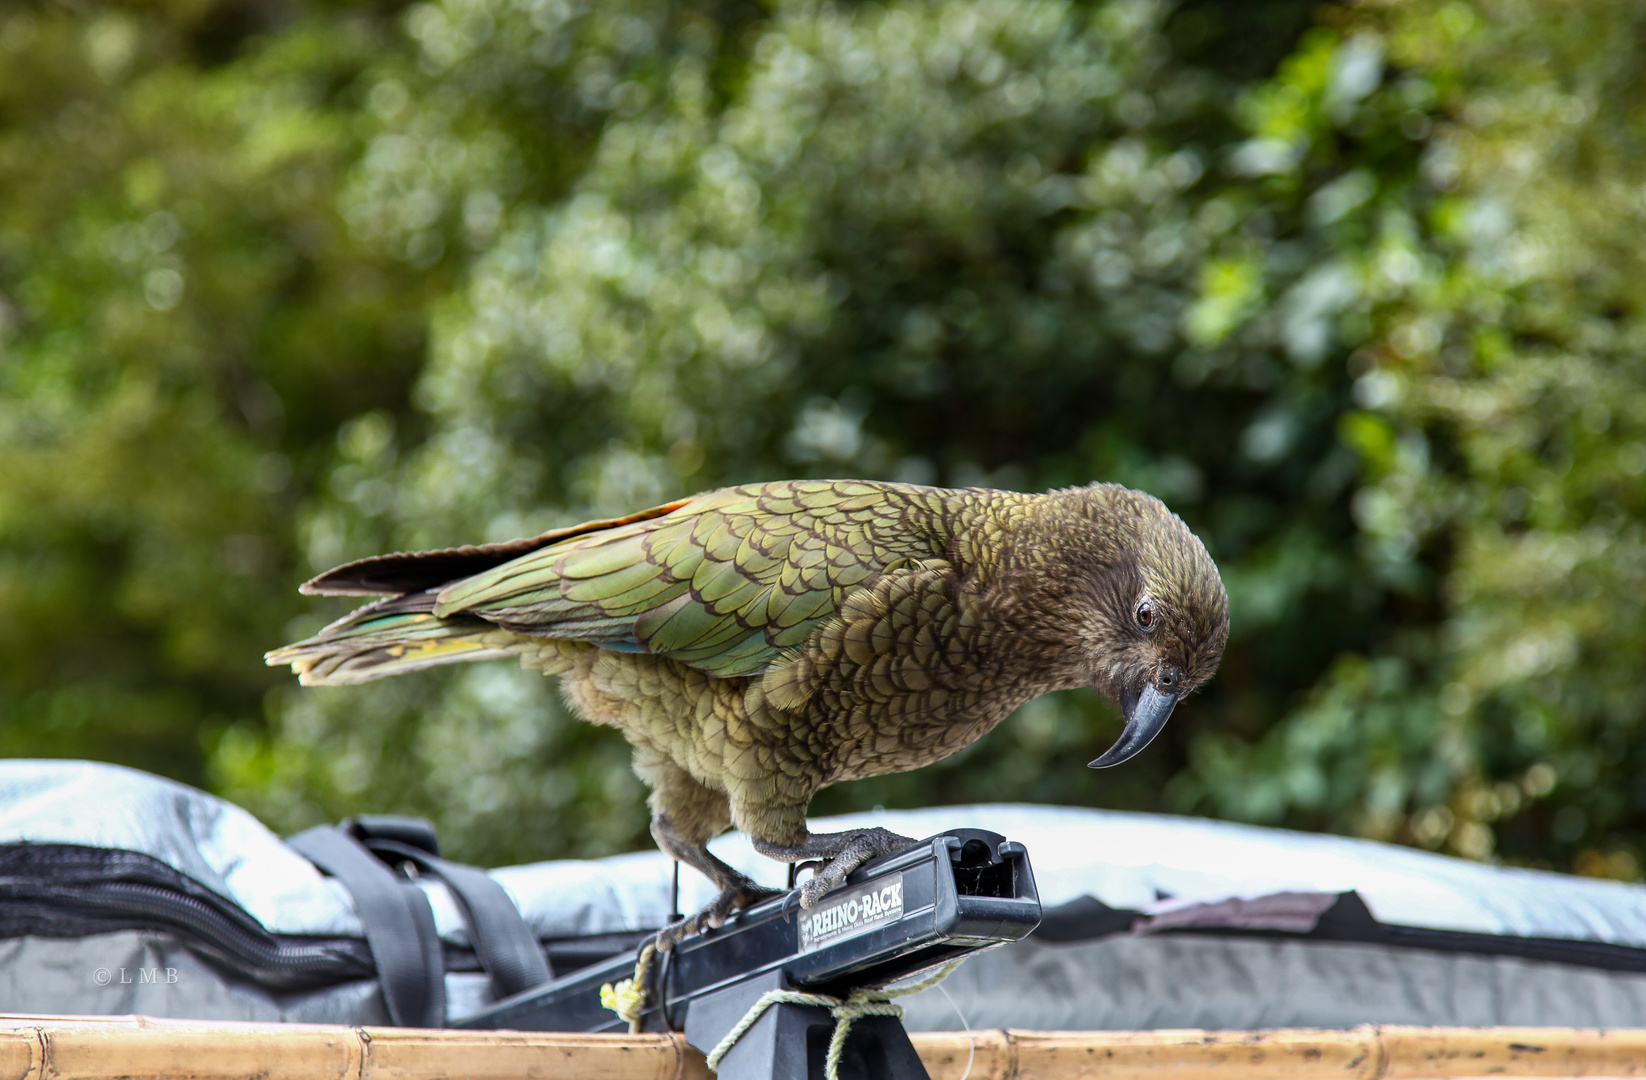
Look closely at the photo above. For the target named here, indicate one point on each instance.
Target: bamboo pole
(133, 1047)
(141, 1048)
(1363, 1053)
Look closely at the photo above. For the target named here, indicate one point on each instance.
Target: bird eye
(1145, 615)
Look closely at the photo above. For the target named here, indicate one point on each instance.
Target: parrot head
(1142, 616)
(1167, 623)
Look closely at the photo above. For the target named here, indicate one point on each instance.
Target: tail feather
(394, 636)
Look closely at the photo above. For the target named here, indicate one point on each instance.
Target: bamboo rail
(133, 1047)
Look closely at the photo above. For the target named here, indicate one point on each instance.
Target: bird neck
(1053, 559)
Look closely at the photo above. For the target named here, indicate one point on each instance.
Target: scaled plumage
(758, 643)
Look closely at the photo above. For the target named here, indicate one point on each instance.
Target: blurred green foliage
(184, 323)
(1354, 289)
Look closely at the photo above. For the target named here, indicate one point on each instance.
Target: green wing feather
(728, 582)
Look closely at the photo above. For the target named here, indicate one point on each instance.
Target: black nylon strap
(505, 945)
(399, 925)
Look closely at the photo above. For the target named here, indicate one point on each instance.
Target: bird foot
(734, 897)
(843, 852)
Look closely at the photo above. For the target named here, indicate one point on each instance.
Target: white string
(971, 1052)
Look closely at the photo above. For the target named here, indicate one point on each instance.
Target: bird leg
(840, 854)
(737, 891)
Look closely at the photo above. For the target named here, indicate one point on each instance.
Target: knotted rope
(872, 1001)
(628, 997)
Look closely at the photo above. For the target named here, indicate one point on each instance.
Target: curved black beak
(1146, 713)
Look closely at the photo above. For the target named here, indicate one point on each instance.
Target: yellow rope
(628, 998)
(866, 1002)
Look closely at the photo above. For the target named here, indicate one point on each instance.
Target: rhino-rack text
(853, 911)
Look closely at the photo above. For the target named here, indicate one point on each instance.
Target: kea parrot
(757, 643)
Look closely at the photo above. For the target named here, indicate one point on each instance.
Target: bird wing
(729, 582)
